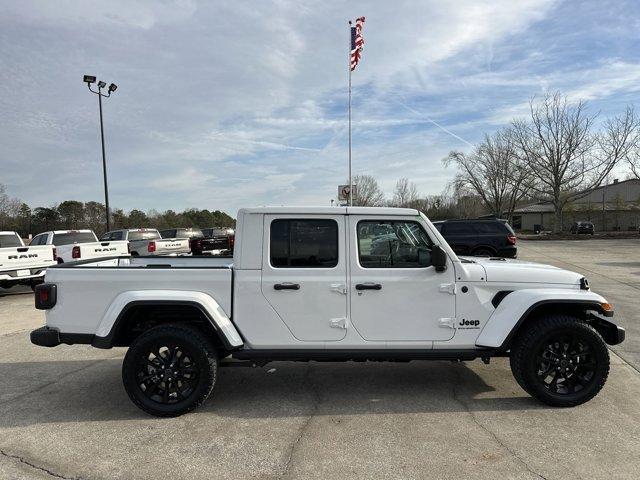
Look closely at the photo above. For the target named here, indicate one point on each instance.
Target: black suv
(582, 227)
(480, 238)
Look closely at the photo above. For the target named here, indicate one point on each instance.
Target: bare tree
(405, 194)
(565, 157)
(633, 157)
(9, 207)
(368, 193)
(493, 172)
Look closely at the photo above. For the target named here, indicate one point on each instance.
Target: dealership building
(611, 207)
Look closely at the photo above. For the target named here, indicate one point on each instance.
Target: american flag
(357, 42)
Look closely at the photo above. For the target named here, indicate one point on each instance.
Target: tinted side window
(117, 236)
(455, 228)
(489, 228)
(393, 244)
(304, 243)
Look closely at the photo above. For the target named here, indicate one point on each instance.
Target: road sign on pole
(344, 191)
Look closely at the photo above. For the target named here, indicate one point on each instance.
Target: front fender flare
(207, 304)
(516, 306)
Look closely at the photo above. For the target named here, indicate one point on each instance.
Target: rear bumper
(508, 252)
(51, 337)
(13, 274)
(45, 337)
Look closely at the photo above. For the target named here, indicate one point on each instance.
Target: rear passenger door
(461, 236)
(304, 274)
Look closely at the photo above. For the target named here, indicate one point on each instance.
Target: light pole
(89, 79)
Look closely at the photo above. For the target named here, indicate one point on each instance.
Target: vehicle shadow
(79, 391)
(19, 290)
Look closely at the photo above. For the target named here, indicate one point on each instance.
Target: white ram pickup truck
(75, 245)
(148, 242)
(21, 265)
(331, 284)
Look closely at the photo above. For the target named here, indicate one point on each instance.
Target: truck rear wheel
(560, 360)
(170, 370)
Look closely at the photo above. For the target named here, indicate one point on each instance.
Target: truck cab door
(396, 293)
(304, 274)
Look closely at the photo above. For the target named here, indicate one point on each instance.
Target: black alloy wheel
(167, 373)
(565, 365)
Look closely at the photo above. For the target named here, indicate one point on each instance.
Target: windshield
(73, 237)
(10, 240)
(144, 235)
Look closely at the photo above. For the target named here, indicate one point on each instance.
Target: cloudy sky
(223, 104)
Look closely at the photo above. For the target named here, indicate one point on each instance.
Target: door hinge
(338, 323)
(339, 287)
(449, 288)
(447, 322)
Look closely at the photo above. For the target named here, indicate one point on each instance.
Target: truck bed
(94, 287)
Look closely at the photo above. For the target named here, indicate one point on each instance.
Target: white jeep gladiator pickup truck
(75, 245)
(148, 242)
(330, 284)
(21, 265)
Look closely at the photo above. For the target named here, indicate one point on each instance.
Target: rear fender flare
(218, 318)
(516, 307)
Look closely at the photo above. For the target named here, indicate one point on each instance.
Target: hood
(508, 270)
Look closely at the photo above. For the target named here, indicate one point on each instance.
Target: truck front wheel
(170, 370)
(560, 360)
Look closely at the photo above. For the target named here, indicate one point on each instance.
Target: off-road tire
(532, 339)
(198, 346)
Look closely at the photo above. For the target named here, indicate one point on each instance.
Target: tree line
(557, 154)
(72, 214)
(449, 204)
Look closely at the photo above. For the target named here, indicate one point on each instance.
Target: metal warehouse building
(611, 207)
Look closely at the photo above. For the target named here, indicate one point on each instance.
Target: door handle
(286, 286)
(368, 286)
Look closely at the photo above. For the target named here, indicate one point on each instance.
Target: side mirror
(438, 258)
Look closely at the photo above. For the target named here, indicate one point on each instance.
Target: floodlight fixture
(112, 87)
(90, 79)
(101, 84)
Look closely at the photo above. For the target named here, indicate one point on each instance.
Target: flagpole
(349, 66)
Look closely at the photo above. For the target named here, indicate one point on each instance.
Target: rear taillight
(511, 239)
(75, 252)
(46, 296)
(55, 254)
(195, 243)
(128, 247)
(232, 241)
(151, 247)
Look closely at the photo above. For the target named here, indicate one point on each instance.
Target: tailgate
(216, 243)
(172, 245)
(18, 258)
(103, 249)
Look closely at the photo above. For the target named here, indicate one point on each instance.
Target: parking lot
(65, 414)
